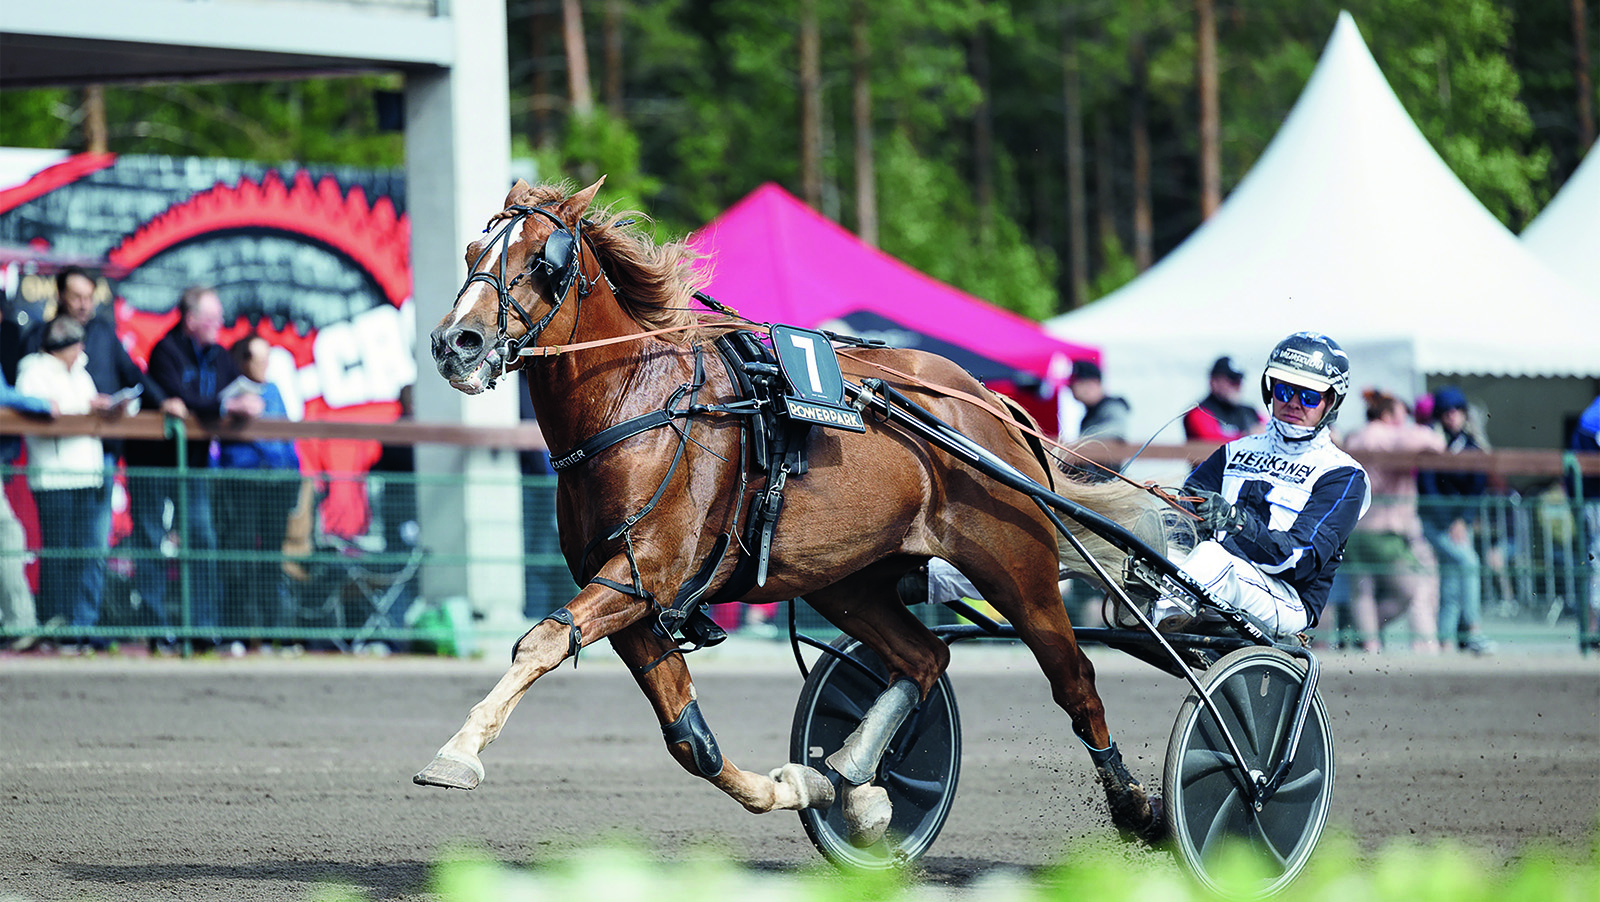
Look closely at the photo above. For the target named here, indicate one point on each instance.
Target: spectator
(1448, 505)
(1586, 438)
(1105, 418)
(18, 616)
(114, 372)
(66, 474)
(188, 369)
(1221, 416)
(1276, 508)
(1394, 567)
(253, 513)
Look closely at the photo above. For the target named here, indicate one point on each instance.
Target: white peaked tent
(1349, 224)
(1566, 234)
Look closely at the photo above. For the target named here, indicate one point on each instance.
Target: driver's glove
(1216, 514)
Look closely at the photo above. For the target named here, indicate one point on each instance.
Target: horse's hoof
(810, 786)
(1157, 832)
(1135, 815)
(867, 813)
(451, 772)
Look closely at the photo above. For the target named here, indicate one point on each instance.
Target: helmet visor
(1299, 377)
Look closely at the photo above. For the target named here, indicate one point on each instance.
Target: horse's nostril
(467, 341)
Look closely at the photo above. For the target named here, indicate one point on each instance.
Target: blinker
(560, 263)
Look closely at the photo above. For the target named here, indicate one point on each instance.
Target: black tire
(919, 769)
(1208, 809)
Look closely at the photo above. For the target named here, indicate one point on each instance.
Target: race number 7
(809, 345)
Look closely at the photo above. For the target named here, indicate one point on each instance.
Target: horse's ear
(575, 206)
(517, 192)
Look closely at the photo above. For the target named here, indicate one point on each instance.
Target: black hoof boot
(1136, 815)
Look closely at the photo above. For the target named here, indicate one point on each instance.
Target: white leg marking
(798, 787)
(867, 813)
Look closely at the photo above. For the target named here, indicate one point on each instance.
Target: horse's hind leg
(664, 677)
(867, 608)
(1030, 599)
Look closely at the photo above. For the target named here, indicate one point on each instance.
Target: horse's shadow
(376, 880)
(394, 880)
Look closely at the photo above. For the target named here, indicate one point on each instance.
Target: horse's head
(518, 277)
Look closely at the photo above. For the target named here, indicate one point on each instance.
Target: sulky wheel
(919, 770)
(1208, 801)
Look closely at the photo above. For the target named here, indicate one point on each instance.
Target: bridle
(561, 261)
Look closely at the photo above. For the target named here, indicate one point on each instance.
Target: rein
(976, 401)
(565, 274)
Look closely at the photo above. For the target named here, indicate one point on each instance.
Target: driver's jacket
(1302, 500)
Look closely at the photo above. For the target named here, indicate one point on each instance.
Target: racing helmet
(1313, 360)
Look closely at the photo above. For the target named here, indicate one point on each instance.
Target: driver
(1275, 508)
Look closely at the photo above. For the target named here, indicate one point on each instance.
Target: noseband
(561, 259)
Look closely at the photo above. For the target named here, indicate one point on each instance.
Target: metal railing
(343, 572)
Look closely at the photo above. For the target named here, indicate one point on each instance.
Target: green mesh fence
(277, 560)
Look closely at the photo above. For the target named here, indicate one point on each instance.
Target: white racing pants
(1235, 581)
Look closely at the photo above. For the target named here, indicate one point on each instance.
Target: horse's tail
(1145, 515)
(1148, 517)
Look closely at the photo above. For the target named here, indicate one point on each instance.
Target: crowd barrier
(345, 574)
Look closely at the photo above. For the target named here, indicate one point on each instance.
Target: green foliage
(1116, 269)
(41, 118)
(1444, 872)
(596, 145)
(930, 221)
(711, 109)
(323, 120)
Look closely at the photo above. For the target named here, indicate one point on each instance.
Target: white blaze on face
(469, 299)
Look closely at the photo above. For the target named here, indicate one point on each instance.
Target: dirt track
(142, 779)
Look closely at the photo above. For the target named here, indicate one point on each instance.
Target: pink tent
(774, 259)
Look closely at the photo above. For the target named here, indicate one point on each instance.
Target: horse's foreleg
(539, 651)
(664, 677)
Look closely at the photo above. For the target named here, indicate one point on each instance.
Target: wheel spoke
(1224, 822)
(1267, 843)
(1201, 763)
(836, 701)
(924, 795)
(1301, 789)
(1237, 694)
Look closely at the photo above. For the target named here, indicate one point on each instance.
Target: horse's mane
(654, 283)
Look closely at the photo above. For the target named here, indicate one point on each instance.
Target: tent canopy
(774, 259)
(1348, 224)
(1566, 234)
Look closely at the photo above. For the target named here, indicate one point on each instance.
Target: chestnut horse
(642, 516)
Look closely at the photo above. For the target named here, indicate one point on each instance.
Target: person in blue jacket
(258, 488)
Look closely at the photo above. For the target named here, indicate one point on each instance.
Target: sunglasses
(1283, 392)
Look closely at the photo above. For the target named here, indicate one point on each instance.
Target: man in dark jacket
(189, 369)
(114, 372)
(1221, 416)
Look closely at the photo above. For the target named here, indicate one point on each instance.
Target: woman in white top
(66, 473)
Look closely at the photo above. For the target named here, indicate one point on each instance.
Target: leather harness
(771, 444)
